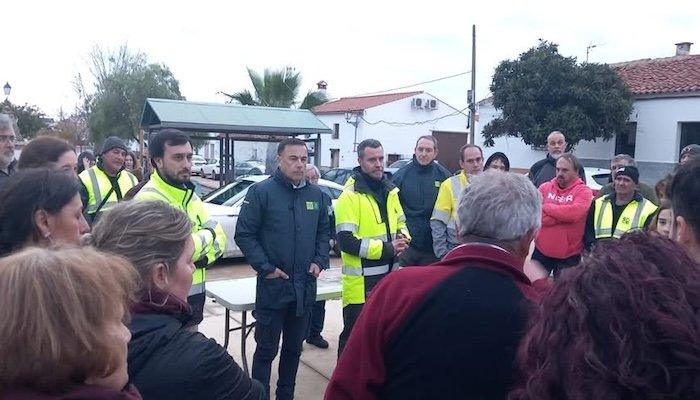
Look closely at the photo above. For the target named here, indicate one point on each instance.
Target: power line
(381, 121)
(415, 84)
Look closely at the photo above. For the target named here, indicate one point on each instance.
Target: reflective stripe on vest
(456, 190)
(96, 192)
(366, 271)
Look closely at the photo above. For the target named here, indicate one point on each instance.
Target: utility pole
(472, 92)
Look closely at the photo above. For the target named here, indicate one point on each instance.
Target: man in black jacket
(546, 169)
(283, 231)
(418, 183)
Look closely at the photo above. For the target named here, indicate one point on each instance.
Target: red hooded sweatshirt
(564, 214)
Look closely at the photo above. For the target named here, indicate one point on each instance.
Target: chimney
(683, 48)
(322, 85)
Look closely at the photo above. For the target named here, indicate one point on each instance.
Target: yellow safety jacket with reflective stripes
(370, 257)
(208, 235)
(443, 221)
(633, 217)
(98, 185)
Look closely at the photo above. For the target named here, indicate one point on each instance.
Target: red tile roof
(679, 74)
(360, 103)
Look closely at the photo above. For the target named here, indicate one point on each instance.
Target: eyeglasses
(7, 138)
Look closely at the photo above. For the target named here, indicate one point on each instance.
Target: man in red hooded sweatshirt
(565, 203)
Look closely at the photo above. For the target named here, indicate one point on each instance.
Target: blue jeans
(269, 324)
(318, 315)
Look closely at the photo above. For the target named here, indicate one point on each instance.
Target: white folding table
(239, 295)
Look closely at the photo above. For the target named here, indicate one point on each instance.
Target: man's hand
(315, 270)
(277, 273)
(400, 244)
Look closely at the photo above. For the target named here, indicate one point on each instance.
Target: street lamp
(7, 88)
(353, 118)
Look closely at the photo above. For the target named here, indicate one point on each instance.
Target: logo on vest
(625, 220)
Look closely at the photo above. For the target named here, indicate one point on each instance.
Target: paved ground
(316, 366)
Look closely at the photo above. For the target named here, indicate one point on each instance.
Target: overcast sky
(356, 46)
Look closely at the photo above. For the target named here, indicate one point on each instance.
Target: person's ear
(526, 241)
(159, 162)
(42, 223)
(684, 232)
(159, 276)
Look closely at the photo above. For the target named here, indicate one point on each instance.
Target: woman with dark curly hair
(624, 325)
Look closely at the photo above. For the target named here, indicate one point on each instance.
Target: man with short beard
(565, 203)
(170, 152)
(546, 169)
(7, 148)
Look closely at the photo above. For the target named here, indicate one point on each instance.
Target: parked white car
(224, 205)
(197, 163)
(211, 169)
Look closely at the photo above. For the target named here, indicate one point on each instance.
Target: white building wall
(242, 151)
(658, 127)
(395, 139)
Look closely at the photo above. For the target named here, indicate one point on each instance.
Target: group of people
(101, 299)
(102, 277)
(488, 322)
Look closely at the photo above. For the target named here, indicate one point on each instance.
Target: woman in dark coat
(167, 361)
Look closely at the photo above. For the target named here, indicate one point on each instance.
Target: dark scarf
(157, 301)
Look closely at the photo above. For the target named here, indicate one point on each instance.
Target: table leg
(244, 335)
(227, 331)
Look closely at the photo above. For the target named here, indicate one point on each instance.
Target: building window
(336, 131)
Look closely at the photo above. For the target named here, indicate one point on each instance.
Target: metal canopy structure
(232, 122)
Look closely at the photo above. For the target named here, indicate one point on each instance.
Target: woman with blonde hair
(62, 335)
(167, 361)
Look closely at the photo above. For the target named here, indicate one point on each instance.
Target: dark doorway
(625, 142)
(690, 134)
(449, 144)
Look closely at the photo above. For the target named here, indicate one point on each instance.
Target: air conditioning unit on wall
(417, 103)
(431, 104)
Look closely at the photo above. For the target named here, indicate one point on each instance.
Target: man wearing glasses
(7, 148)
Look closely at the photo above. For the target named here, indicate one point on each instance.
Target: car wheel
(255, 171)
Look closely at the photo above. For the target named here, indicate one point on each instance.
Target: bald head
(556, 144)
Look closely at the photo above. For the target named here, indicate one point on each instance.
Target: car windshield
(228, 194)
(400, 163)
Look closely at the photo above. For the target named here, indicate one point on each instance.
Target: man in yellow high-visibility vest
(371, 229)
(171, 156)
(620, 212)
(106, 183)
(443, 222)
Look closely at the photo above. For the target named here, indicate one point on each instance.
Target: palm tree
(276, 88)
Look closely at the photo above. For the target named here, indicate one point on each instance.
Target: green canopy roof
(229, 118)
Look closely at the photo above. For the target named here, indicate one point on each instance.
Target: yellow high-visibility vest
(98, 185)
(359, 214)
(633, 217)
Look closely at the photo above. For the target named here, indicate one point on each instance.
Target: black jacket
(418, 188)
(283, 227)
(546, 169)
(169, 362)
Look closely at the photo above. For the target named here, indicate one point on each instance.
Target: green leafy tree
(543, 91)
(123, 81)
(30, 119)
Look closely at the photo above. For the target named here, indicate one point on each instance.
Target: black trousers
(555, 264)
(196, 301)
(269, 324)
(318, 317)
(350, 314)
